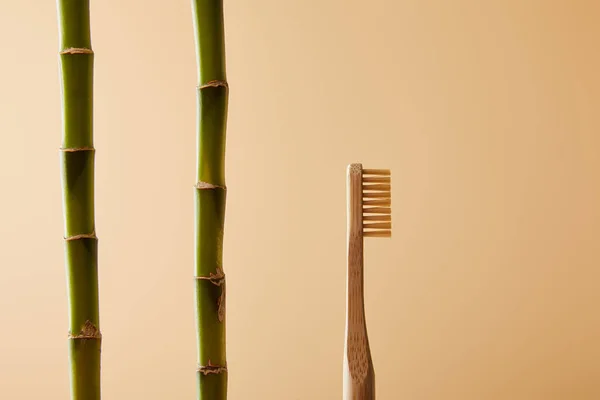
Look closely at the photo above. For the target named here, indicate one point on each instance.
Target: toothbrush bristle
(377, 202)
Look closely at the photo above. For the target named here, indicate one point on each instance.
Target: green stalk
(77, 169)
(210, 196)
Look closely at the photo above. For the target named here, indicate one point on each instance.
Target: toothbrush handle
(359, 375)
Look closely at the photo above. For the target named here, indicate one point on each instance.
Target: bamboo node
(217, 279)
(205, 185)
(81, 236)
(75, 149)
(211, 369)
(88, 331)
(214, 84)
(77, 50)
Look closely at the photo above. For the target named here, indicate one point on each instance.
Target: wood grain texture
(359, 375)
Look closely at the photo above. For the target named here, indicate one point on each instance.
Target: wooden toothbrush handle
(359, 375)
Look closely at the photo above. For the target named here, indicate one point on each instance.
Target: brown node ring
(75, 149)
(211, 369)
(82, 236)
(217, 278)
(207, 186)
(214, 84)
(88, 331)
(77, 50)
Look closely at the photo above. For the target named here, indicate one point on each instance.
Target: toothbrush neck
(355, 283)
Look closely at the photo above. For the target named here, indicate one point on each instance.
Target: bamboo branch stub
(88, 331)
(221, 303)
(217, 278)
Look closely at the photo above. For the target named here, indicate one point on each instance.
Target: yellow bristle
(377, 218)
(376, 179)
(377, 187)
(377, 195)
(380, 202)
(377, 210)
(377, 202)
(378, 225)
(378, 233)
(376, 172)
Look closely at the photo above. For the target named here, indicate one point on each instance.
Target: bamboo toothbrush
(369, 215)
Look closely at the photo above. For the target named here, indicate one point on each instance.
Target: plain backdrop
(486, 112)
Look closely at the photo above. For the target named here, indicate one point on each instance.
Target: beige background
(487, 114)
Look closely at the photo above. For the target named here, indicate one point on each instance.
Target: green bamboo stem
(77, 173)
(210, 197)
